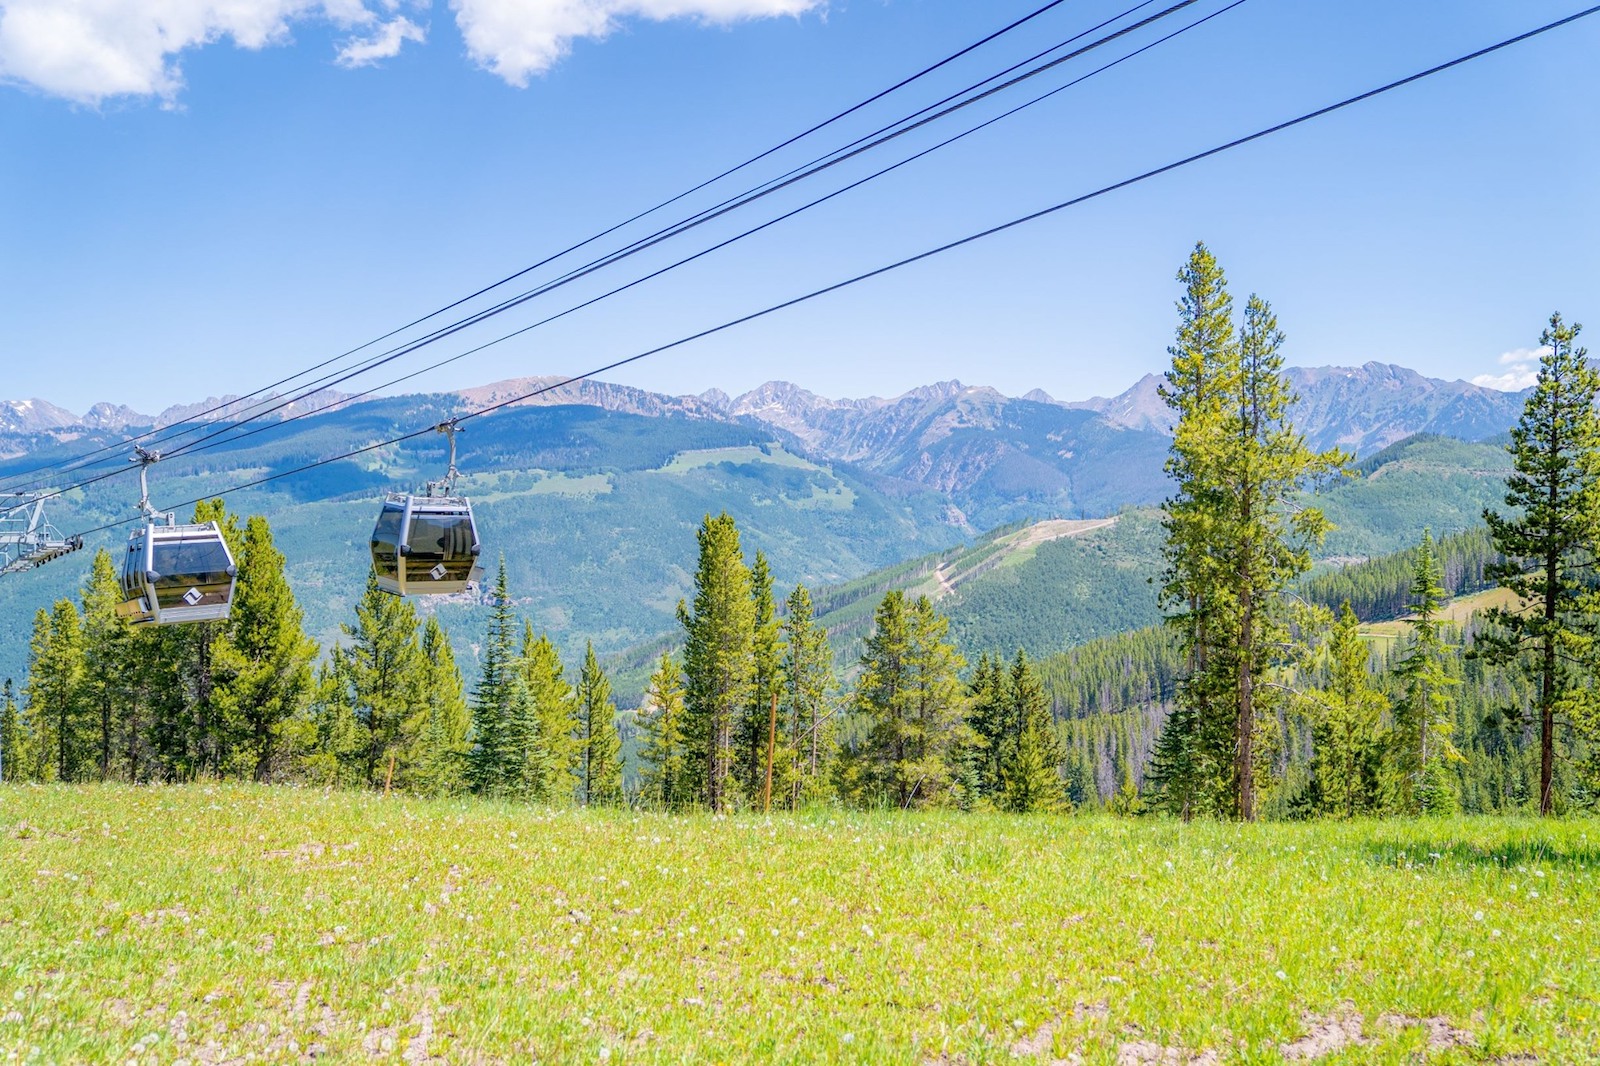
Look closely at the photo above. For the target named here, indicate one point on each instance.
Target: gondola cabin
(425, 545)
(174, 574)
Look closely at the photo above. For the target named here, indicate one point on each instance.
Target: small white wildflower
(1280, 975)
(1477, 916)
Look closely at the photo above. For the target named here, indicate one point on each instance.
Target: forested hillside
(590, 508)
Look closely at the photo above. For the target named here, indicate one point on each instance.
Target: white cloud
(89, 50)
(384, 44)
(517, 39)
(1522, 370)
(1523, 355)
(92, 50)
(1516, 380)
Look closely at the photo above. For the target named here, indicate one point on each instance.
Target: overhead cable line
(223, 440)
(230, 431)
(909, 260)
(825, 123)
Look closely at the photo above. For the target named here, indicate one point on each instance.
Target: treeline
(1379, 589)
(751, 716)
(104, 700)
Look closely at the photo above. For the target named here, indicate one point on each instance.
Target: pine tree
(204, 663)
(1031, 773)
(437, 760)
(552, 767)
(884, 699)
(718, 657)
(386, 672)
(270, 654)
(332, 742)
(913, 701)
(13, 755)
(808, 681)
(1234, 543)
(1345, 723)
(601, 779)
(940, 705)
(992, 709)
(663, 754)
(1423, 715)
(766, 665)
(61, 744)
(107, 640)
(492, 701)
(1549, 535)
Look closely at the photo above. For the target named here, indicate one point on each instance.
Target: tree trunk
(1245, 767)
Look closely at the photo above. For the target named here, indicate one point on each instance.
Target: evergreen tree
(718, 657)
(333, 743)
(386, 671)
(61, 739)
(1031, 773)
(601, 748)
(884, 699)
(1187, 770)
(1423, 717)
(437, 760)
(555, 749)
(1549, 535)
(1234, 542)
(766, 665)
(107, 640)
(1345, 724)
(663, 754)
(992, 719)
(13, 756)
(203, 662)
(493, 701)
(270, 654)
(807, 678)
(913, 702)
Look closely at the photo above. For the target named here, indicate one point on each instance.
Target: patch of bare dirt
(1442, 1036)
(1149, 1053)
(1325, 1036)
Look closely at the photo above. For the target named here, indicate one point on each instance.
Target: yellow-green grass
(1457, 612)
(773, 455)
(217, 924)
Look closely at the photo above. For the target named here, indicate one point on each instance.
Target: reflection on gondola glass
(425, 545)
(177, 574)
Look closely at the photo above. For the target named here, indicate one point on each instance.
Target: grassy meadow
(235, 923)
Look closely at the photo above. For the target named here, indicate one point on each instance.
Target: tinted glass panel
(438, 537)
(387, 531)
(181, 564)
(133, 568)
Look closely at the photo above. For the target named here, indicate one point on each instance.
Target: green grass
(214, 923)
(774, 455)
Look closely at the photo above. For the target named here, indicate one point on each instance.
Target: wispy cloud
(1522, 370)
(384, 44)
(517, 39)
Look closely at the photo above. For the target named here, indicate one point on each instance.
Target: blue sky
(195, 194)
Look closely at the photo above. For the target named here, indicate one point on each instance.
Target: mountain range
(593, 491)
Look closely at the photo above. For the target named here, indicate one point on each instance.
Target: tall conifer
(663, 753)
(1423, 715)
(601, 748)
(487, 764)
(1549, 536)
(808, 681)
(718, 656)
